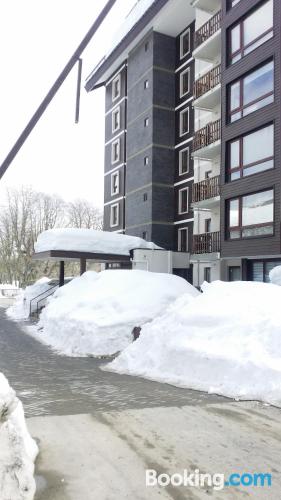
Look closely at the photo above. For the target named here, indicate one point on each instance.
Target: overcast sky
(37, 37)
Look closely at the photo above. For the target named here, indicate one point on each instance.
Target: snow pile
(8, 291)
(21, 308)
(225, 341)
(89, 240)
(95, 313)
(17, 449)
(275, 275)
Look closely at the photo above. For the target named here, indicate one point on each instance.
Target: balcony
(206, 142)
(207, 5)
(207, 39)
(206, 193)
(206, 89)
(206, 243)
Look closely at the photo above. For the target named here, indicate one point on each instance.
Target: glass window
(183, 240)
(251, 215)
(184, 122)
(184, 161)
(116, 87)
(115, 183)
(251, 32)
(252, 153)
(114, 215)
(184, 82)
(185, 43)
(116, 119)
(252, 92)
(115, 151)
(183, 200)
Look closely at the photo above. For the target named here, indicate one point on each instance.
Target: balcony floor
(204, 257)
(207, 5)
(209, 203)
(210, 49)
(209, 100)
(209, 152)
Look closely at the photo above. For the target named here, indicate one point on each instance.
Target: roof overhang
(62, 255)
(168, 17)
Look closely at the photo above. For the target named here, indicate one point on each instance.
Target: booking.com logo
(197, 479)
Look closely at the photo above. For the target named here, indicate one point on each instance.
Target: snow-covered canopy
(89, 241)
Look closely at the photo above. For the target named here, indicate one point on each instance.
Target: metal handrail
(39, 295)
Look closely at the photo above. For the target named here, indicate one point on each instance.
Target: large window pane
(258, 145)
(257, 208)
(234, 213)
(234, 154)
(235, 96)
(258, 83)
(258, 23)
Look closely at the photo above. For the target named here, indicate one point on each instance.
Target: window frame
(241, 168)
(116, 141)
(146, 122)
(182, 54)
(243, 47)
(180, 161)
(181, 212)
(241, 106)
(181, 133)
(116, 111)
(116, 79)
(146, 84)
(146, 160)
(240, 226)
(180, 231)
(187, 70)
(115, 174)
(114, 205)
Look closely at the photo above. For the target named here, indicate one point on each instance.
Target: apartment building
(192, 118)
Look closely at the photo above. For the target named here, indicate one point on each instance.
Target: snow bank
(95, 313)
(89, 240)
(17, 449)
(21, 308)
(275, 275)
(225, 341)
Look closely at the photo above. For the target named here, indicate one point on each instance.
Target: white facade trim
(183, 142)
(184, 181)
(115, 137)
(115, 168)
(183, 221)
(113, 201)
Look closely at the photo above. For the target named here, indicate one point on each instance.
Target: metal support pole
(54, 89)
(78, 91)
(61, 278)
(83, 266)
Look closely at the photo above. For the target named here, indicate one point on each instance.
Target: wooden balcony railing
(206, 189)
(206, 243)
(207, 135)
(208, 29)
(207, 82)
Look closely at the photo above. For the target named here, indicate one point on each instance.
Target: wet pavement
(50, 384)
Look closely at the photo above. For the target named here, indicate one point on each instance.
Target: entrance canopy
(100, 246)
(87, 244)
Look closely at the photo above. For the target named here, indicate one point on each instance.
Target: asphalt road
(99, 432)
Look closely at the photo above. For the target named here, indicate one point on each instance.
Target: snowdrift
(17, 449)
(21, 308)
(95, 313)
(225, 341)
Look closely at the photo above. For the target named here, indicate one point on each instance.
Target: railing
(39, 300)
(206, 189)
(207, 82)
(207, 135)
(206, 243)
(208, 29)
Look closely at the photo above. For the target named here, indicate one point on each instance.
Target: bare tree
(24, 216)
(82, 214)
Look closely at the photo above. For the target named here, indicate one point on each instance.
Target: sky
(37, 38)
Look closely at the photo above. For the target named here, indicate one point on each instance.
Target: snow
(18, 450)
(96, 312)
(275, 275)
(21, 308)
(135, 14)
(89, 240)
(7, 290)
(225, 341)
